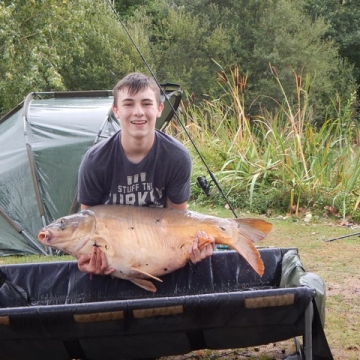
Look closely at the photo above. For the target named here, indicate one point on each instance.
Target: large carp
(147, 242)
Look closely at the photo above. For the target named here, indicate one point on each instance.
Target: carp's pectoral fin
(204, 239)
(104, 246)
(146, 274)
(145, 284)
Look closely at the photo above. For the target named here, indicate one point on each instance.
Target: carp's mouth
(45, 236)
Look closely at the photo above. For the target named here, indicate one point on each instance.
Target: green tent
(42, 142)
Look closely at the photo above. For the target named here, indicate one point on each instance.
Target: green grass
(6, 260)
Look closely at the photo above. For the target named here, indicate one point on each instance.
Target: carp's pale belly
(142, 268)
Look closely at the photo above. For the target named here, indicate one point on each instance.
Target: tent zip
(175, 113)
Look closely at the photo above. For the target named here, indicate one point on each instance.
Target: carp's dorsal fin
(146, 274)
(104, 246)
(255, 229)
(145, 284)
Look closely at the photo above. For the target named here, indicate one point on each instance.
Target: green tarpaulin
(42, 142)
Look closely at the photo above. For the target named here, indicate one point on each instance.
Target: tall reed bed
(279, 162)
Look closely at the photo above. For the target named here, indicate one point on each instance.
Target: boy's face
(137, 113)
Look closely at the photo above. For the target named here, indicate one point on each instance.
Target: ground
(337, 263)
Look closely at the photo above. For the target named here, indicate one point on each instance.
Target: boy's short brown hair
(135, 82)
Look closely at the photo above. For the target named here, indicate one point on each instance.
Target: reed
(277, 161)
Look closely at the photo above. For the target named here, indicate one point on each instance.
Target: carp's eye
(62, 224)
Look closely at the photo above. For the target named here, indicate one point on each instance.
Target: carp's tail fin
(250, 231)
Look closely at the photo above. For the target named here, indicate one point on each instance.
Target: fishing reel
(204, 185)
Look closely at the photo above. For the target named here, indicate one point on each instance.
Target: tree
(35, 41)
(69, 45)
(253, 34)
(127, 8)
(344, 19)
(81, 45)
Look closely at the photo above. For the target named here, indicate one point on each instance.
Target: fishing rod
(342, 237)
(202, 182)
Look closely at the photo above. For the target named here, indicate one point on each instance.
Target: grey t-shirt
(106, 176)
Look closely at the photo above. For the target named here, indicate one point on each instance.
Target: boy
(138, 165)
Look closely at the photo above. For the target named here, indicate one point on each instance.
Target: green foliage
(276, 163)
(29, 57)
(107, 51)
(344, 18)
(82, 45)
(127, 8)
(268, 31)
(187, 59)
(67, 45)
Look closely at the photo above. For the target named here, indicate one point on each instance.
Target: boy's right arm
(96, 263)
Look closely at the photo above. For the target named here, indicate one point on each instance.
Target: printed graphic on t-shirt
(137, 191)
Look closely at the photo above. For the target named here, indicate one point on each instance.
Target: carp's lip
(45, 236)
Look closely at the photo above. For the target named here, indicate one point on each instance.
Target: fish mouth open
(44, 236)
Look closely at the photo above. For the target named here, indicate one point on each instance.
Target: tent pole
(14, 224)
(102, 127)
(30, 154)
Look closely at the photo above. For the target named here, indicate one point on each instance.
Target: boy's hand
(197, 254)
(96, 263)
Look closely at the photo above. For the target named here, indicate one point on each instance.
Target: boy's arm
(171, 205)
